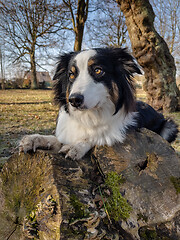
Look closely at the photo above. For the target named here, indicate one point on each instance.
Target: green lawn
(31, 111)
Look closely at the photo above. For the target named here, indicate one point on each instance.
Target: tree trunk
(34, 83)
(152, 53)
(82, 12)
(78, 37)
(2, 84)
(128, 191)
(2, 70)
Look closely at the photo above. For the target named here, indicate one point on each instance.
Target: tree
(153, 55)
(29, 25)
(167, 23)
(106, 26)
(2, 68)
(80, 8)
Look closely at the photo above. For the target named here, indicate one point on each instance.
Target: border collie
(94, 89)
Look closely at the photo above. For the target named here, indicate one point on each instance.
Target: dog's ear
(61, 78)
(62, 66)
(125, 68)
(127, 61)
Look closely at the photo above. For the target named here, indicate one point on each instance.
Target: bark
(82, 12)
(34, 83)
(78, 37)
(2, 70)
(152, 53)
(2, 84)
(46, 196)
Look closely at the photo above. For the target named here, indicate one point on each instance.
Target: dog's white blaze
(83, 57)
(94, 93)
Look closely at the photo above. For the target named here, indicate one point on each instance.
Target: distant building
(43, 79)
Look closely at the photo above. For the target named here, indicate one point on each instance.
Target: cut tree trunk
(128, 191)
(152, 53)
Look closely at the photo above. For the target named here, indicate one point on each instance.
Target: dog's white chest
(68, 131)
(96, 130)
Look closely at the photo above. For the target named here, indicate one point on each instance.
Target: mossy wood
(128, 191)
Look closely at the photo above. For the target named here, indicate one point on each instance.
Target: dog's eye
(98, 71)
(71, 76)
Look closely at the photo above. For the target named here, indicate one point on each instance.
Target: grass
(31, 111)
(24, 112)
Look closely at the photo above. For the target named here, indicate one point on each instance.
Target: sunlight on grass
(18, 96)
(140, 95)
(18, 117)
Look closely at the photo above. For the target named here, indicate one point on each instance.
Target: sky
(66, 43)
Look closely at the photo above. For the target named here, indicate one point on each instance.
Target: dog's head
(86, 79)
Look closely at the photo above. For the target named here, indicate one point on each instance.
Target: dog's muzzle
(76, 100)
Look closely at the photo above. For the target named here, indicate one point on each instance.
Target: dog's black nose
(76, 99)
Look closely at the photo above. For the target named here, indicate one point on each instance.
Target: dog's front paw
(76, 151)
(72, 152)
(29, 143)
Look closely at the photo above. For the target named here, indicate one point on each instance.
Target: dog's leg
(32, 142)
(76, 151)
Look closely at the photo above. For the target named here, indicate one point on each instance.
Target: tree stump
(128, 191)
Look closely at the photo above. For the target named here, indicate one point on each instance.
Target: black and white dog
(94, 89)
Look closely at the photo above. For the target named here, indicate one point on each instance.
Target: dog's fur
(94, 89)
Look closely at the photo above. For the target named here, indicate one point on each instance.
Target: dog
(95, 92)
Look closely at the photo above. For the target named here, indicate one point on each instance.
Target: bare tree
(167, 21)
(153, 55)
(78, 12)
(28, 25)
(106, 26)
(2, 68)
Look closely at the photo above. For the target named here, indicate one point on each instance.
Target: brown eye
(98, 71)
(71, 76)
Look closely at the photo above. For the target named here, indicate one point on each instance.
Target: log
(128, 191)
